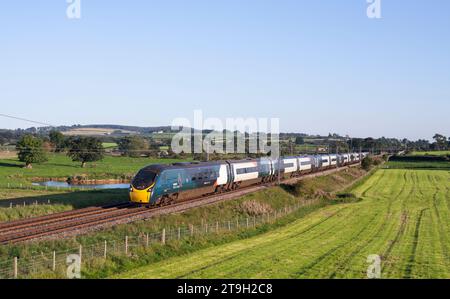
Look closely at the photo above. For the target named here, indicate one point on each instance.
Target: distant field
(402, 217)
(430, 153)
(8, 154)
(94, 132)
(109, 145)
(306, 148)
(162, 135)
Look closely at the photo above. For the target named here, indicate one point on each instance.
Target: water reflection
(82, 186)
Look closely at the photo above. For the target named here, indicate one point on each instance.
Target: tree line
(33, 148)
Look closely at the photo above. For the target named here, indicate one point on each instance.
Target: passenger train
(163, 184)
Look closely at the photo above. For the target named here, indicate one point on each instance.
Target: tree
(133, 146)
(441, 141)
(85, 149)
(57, 140)
(339, 146)
(299, 140)
(30, 150)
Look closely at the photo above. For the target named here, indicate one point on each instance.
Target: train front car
(142, 185)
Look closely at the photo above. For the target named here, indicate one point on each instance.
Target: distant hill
(108, 130)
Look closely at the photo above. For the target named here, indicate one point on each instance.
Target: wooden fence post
(229, 225)
(126, 244)
(54, 261)
(179, 233)
(80, 252)
(206, 228)
(163, 236)
(217, 226)
(247, 222)
(15, 267)
(146, 239)
(191, 228)
(104, 252)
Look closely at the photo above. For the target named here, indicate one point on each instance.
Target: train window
(247, 170)
(143, 179)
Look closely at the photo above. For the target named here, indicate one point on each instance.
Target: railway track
(93, 218)
(66, 222)
(51, 218)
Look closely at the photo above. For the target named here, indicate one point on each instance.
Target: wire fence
(64, 263)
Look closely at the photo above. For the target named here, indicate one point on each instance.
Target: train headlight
(149, 189)
(131, 188)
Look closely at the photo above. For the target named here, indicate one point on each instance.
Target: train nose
(139, 196)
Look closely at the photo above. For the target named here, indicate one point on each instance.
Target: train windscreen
(143, 179)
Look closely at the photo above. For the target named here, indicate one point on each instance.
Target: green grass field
(109, 145)
(402, 217)
(430, 153)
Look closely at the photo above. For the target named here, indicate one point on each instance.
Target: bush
(376, 162)
(367, 163)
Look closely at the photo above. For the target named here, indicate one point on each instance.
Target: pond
(54, 184)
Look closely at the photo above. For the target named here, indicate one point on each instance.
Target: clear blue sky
(319, 65)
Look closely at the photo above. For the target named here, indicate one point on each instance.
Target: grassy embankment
(253, 204)
(402, 216)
